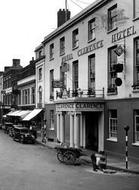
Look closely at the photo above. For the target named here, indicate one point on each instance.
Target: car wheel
(22, 140)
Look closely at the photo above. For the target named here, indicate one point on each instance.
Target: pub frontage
(81, 123)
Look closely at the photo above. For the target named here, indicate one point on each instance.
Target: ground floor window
(51, 119)
(113, 124)
(136, 126)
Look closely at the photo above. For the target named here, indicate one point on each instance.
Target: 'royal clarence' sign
(90, 48)
(80, 106)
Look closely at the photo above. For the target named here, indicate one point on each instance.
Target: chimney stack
(16, 62)
(62, 16)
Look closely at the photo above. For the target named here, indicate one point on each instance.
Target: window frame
(135, 14)
(52, 120)
(135, 136)
(40, 73)
(112, 20)
(136, 66)
(112, 75)
(91, 31)
(75, 38)
(51, 51)
(62, 45)
(113, 126)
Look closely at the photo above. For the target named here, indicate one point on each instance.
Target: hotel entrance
(92, 130)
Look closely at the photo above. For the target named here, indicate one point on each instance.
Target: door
(91, 122)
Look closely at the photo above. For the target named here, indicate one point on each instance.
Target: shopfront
(81, 124)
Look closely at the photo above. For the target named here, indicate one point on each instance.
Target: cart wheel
(69, 157)
(60, 156)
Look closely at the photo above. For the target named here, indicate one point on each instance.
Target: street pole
(126, 139)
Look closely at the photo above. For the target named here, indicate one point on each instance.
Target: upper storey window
(91, 30)
(136, 8)
(62, 45)
(75, 39)
(40, 73)
(112, 17)
(52, 51)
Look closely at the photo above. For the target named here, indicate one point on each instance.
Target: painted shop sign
(123, 34)
(90, 48)
(87, 106)
(67, 58)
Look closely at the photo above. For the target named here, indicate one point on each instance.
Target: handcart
(68, 155)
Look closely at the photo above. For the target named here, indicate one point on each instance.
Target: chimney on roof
(62, 16)
(16, 62)
(6, 68)
(32, 61)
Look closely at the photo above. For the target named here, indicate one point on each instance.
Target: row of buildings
(85, 78)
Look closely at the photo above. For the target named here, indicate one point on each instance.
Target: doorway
(91, 123)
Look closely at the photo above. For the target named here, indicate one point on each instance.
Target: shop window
(112, 75)
(75, 75)
(136, 64)
(52, 51)
(135, 8)
(112, 18)
(51, 119)
(91, 73)
(62, 45)
(40, 73)
(113, 125)
(75, 39)
(91, 30)
(26, 96)
(136, 126)
(51, 84)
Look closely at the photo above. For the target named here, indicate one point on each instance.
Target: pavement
(113, 162)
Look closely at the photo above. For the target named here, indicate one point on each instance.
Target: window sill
(112, 139)
(75, 47)
(51, 59)
(91, 40)
(111, 93)
(51, 129)
(61, 54)
(136, 90)
(136, 18)
(112, 30)
(135, 144)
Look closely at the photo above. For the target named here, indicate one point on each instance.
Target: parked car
(23, 135)
(7, 127)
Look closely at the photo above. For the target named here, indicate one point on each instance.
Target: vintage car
(23, 135)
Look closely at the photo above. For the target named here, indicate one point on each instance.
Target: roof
(85, 12)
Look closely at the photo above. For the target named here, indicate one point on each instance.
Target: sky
(25, 23)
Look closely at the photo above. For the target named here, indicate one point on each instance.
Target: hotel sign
(80, 106)
(90, 48)
(123, 34)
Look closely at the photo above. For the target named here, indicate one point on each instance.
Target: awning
(13, 113)
(32, 114)
(19, 113)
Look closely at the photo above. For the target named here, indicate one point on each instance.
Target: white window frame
(113, 128)
(51, 120)
(136, 9)
(62, 45)
(91, 30)
(51, 51)
(75, 38)
(136, 133)
(112, 17)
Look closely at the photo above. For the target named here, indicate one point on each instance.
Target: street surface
(35, 167)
